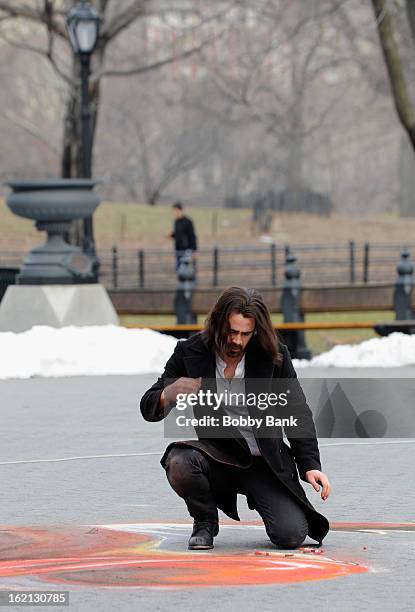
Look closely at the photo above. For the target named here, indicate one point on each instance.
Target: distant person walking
(183, 233)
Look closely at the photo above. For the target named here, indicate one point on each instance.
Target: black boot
(203, 534)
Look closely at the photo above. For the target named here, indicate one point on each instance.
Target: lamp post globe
(83, 29)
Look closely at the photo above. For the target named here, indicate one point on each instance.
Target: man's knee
(288, 535)
(181, 464)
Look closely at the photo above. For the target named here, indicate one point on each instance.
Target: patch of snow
(105, 350)
(394, 350)
(83, 351)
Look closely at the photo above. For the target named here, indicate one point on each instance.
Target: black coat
(192, 358)
(184, 234)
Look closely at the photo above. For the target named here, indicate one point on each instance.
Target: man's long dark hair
(248, 303)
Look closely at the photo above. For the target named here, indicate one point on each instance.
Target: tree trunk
(295, 159)
(407, 179)
(403, 102)
(71, 164)
(152, 199)
(295, 133)
(71, 160)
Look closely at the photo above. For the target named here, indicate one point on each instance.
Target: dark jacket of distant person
(193, 358)
(184, 234)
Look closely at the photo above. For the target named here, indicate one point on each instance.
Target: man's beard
(231, 350)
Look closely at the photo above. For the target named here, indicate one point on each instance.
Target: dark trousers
(198, 479)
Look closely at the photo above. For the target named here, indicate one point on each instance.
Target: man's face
(241, 330)
(177, 213)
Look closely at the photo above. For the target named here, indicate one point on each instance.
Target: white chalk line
(78, 458)
(160, 453)
(373, 443)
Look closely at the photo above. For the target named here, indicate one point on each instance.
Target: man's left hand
(315, 478)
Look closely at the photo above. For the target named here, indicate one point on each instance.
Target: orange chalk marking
(110, 558)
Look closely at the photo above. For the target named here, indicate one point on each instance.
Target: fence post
(141, 268)
(402, 296)
(114, 267)
(290, 306)
(366, 263)
(215, 266)
(352, 261)
(273, 252)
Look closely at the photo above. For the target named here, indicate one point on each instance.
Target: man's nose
(238, 340)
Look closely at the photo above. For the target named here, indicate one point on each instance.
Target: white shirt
(236, 385)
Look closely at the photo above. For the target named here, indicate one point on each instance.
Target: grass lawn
(134, 225)
(318, 341)
(323, 340)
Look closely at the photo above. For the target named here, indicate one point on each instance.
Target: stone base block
(24, 306)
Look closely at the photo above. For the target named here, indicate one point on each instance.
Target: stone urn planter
(53, 205)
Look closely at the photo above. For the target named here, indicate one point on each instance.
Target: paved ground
(64, 461)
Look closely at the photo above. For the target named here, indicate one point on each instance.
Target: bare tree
(51, 43)
(170, 139)
(282, 78)
(283, 49)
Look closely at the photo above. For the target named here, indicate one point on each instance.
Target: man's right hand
(181, 385)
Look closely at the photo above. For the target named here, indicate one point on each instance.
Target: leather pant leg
(194, 478)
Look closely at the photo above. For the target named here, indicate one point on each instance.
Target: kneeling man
(237, 349)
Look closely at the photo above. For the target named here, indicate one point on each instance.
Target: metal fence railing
(320, 264)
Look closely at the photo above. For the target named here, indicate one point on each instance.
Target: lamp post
(83, 28)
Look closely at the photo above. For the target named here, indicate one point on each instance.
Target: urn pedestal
(56, 285)
(53, 205)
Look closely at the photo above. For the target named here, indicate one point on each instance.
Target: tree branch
(31, 129)
(102, 7)
(352, 37)
(45, 53)
(32, 14)
(63, 75)
(159, 64)
(123, 20)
